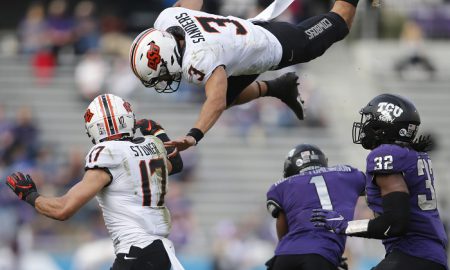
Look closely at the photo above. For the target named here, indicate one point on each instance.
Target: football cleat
(285, 88)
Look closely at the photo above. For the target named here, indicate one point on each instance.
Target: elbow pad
(273, 208)
(163, 137)
(177, 164)
(395, 218)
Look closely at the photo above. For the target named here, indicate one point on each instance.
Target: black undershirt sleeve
(393, 221)
(177, 162)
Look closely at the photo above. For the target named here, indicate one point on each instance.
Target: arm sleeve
(387, 159)
(273, 202)
(362, 182)
(103, 156)
(393, 222)
(198, 69)
(177, 161)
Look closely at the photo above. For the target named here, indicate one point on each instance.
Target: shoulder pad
(387, 159)
(104, 155)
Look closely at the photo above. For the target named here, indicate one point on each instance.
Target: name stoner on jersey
(399, 187)
(227, 54)
(128, 175)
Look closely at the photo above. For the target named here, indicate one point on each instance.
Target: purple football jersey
(336, 188)
(426, 237)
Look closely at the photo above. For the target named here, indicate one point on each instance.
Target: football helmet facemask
(387, 118)
(303, 157)
(156, 60)
(109, 117)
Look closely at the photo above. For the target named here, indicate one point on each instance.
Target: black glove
(23, 186)
(425, 143)
(148, 127)
(343, 264)
(270, 263)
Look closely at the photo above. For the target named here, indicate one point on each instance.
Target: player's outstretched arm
(190, 4)
(216, 100)
(150, 127)
(62, 208)
(391, 223)
(59, 208)
(214, 105)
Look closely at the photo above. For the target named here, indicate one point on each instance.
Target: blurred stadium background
(56, 55)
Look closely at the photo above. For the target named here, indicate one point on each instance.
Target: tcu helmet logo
(153, 56)
(389, 111)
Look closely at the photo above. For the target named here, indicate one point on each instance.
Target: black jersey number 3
(205, 22)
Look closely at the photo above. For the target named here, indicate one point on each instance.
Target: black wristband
(31, 198)
(353, 2)
(196, 133)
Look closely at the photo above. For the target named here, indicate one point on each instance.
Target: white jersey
(212, 40)
(133, 203)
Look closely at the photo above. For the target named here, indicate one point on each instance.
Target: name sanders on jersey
(190, 27)
(145, 150)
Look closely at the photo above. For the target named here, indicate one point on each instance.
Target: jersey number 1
(322, 192)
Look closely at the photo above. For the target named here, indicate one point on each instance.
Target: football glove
(425, 143)
(330, 220)
(23, 186)
(149, 127)
(343, 264)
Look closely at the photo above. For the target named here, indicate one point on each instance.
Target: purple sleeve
(274, 199)
(387, 159)
(361, 178)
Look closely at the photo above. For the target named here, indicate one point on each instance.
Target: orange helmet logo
(88, 116)
(153, 56)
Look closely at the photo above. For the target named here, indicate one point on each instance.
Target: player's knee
(345, 10)
(341, 28)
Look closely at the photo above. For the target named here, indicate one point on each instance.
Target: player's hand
(149, 127)
(23, 186)
(181, 144)
(330, 220)
(424, 143)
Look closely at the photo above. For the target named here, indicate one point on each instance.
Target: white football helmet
(109, 117)
(156, 60)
